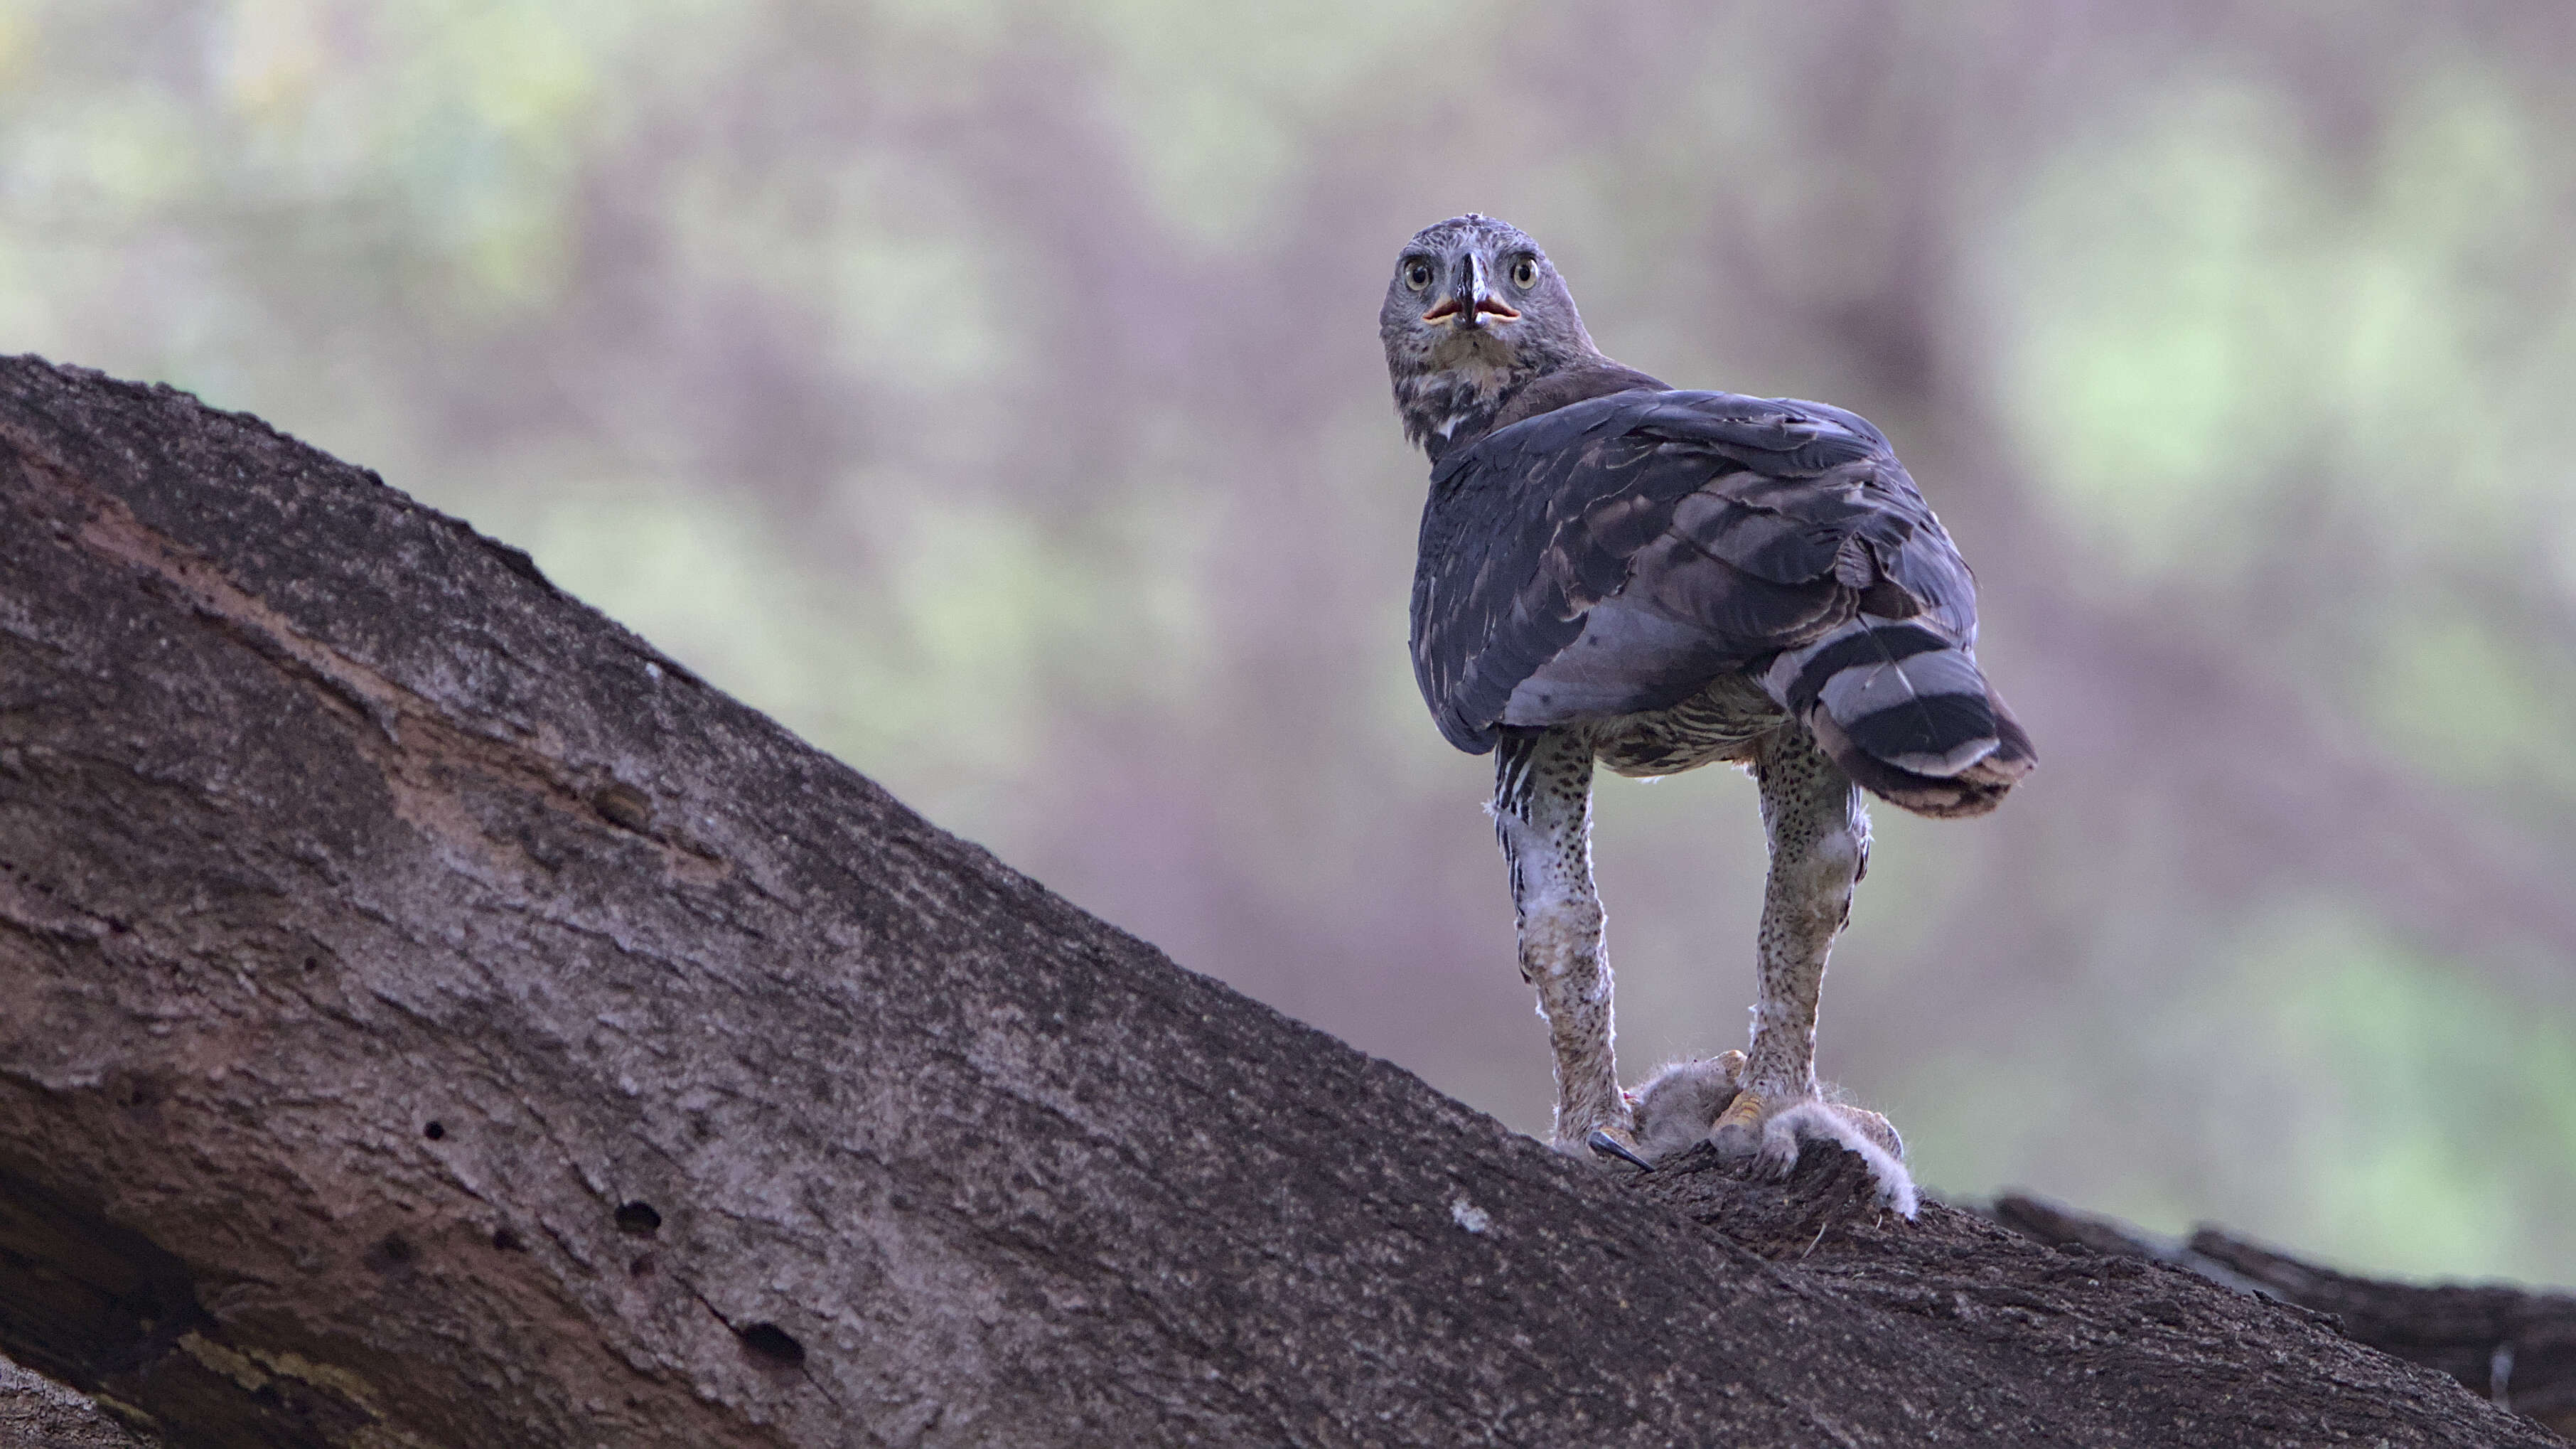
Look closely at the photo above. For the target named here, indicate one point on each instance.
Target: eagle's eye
(1417, 274)
(1525, 272)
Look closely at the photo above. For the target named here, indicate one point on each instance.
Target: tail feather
(1905, 713)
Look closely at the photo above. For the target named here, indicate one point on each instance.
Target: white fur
(1676, 1106)
(1816, 1120)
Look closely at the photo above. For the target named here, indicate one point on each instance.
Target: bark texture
(37, 1413)
(2516, 1346)
(433, 1017)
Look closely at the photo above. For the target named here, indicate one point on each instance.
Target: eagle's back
(1619, 555)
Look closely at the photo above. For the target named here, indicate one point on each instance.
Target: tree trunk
(435, 1017)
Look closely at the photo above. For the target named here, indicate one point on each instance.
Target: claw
(1745, 1111)
(1676, 1107)
(1773, 1141)
(1606, 1145)
(1738, 1130)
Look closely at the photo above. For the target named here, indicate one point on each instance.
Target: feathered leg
(1819, 845)
(1819, 836)
(1543, 816)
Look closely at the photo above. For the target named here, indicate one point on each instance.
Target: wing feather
(1755, 525)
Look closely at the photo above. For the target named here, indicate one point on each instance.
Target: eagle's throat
(1445, 408)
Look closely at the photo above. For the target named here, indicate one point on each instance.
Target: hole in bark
(393, 1254)
(639, 1218)
(508, 1242)
(434, 1131)
(770, 1342)
(312, 963)
(642, 1266)
(623, 804)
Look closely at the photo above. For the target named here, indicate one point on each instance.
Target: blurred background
(992, 394)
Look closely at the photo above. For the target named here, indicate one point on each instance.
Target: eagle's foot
(1609, 1146)
(1601, 1137)
(1677, 1106)
(1709, 1101)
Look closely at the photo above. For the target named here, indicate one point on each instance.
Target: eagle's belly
(1722, 722)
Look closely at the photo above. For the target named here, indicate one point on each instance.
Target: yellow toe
(1745, 1111)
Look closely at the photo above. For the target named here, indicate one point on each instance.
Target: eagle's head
(1474, 313)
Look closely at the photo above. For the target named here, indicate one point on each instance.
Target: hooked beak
(1471, 302)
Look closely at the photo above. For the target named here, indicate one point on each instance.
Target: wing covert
(1725, 528)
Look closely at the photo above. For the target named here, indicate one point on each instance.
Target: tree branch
(435, 1017)
(2513, 1345)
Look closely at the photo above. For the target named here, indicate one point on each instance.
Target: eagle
(1618, 571)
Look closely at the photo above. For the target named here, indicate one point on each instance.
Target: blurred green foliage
(990, 392)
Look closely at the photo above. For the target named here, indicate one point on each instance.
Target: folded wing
(1616, 555)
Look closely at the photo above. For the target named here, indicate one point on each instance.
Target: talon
(1737, 1132)
(1605, 1145)
(1770, 1132)
(1744, 1111)
(1675, 1107)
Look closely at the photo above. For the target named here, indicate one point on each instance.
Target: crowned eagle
(1614, 570)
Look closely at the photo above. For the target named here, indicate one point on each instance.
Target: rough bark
(434, 1017)
(2514, 1345)
(37, 1413)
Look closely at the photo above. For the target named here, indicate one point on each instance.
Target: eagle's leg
(1543, 816)
(1819, 836)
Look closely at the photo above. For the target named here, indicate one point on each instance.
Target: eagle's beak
(1472, 301)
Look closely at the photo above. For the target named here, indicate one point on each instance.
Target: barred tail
(1905, 713)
